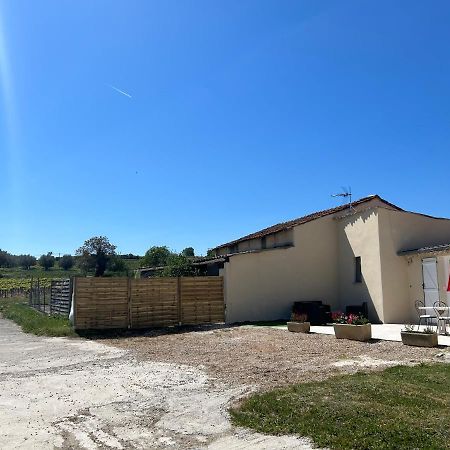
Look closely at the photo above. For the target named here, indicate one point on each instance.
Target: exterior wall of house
(446, 271)
(271, 241)
(390, 283)
(402, 275)
(222, 251)
(285, 237)
(264, 285)
(321, 265)
(251, 244)
(359, 236)
(446, 264)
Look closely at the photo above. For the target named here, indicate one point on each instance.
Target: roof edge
(283, 226)
(430, 249)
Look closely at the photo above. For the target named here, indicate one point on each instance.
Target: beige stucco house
(371, 251)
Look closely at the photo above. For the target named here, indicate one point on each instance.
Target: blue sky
(242, 114)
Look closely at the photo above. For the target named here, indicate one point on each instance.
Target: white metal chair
(427, 318)
(442, 315)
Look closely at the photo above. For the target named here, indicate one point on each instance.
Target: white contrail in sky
(118, 90)
(10, 139)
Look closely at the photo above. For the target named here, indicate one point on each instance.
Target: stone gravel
(264, 357)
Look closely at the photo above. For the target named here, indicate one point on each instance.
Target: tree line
(10, 261)
(97, 255)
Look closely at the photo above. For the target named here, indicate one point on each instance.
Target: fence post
(130, 315)
(71, 297)
(73, 301)
(179, 299)
(30, 301)
(51, 295)
(39, 293)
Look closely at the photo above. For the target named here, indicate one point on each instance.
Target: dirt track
(79, 394)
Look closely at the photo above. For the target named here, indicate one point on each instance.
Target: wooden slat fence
(60, 297)
(201, 300)
(102, 303)
(154, 302)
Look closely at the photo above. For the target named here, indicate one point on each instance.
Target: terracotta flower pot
(419, 339)
(353, 332)
(298, 327)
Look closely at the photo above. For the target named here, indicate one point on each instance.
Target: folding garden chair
(422, 313)
(442, 315)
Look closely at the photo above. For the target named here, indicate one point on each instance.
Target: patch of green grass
(399, 408)
(35, 322)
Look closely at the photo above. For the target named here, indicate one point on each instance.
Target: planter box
(420, 339)
(298, 327)
(353, 332)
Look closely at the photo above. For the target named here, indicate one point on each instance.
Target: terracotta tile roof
(301, 220)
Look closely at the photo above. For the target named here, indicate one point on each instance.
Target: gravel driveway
(79, 394)
(264, 357)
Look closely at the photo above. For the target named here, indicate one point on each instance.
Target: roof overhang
(435, 249)
(211, 261)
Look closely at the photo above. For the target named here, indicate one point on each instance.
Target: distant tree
(130, 256)
(66, 262)
(47, 261)
(6, 259)
(188, 251)
(210, 252)
(179, 266)
(26, 261)
(3, 258)
(95, 254)
(117, 264)
(156, 256)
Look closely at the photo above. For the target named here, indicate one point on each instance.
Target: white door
(430, 281)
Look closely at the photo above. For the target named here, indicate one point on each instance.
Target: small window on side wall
(358, 273)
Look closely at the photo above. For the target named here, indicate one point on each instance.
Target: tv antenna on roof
(345, 194)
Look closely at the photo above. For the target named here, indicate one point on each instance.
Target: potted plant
(351, 326)
(419, 338)
(298, 323)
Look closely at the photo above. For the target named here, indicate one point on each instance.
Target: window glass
(358, 273)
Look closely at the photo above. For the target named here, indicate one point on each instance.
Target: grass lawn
(32, 321)
(399, 408)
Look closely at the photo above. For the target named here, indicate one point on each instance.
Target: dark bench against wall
(360, 310)
(316, 312)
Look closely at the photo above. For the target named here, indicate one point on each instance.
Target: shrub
(156, 256)
(47, 261)
(66, 262)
